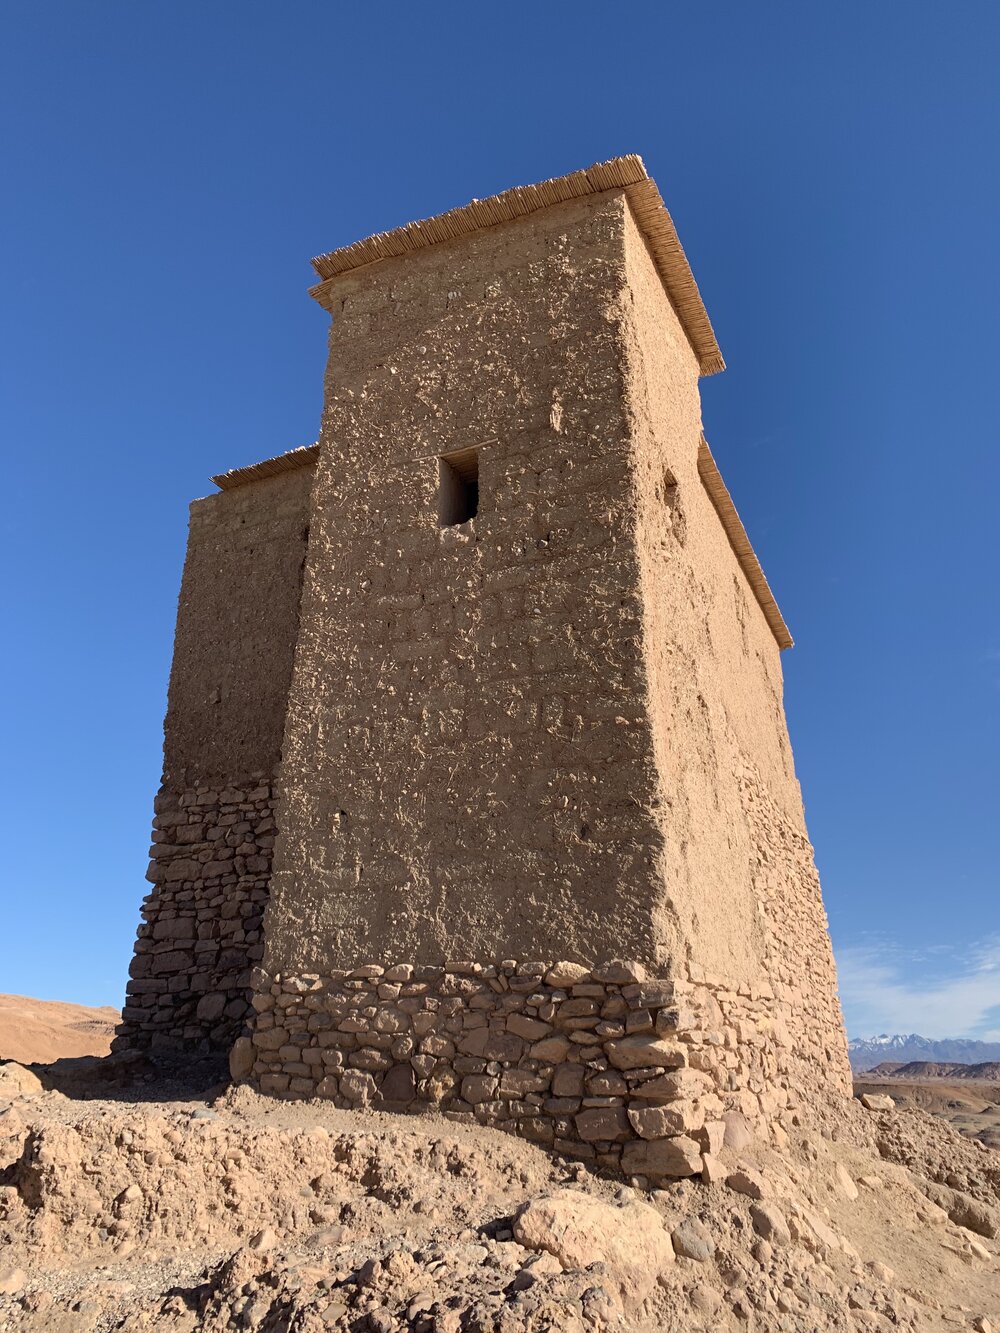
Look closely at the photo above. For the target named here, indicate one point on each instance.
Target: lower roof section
(304, 456)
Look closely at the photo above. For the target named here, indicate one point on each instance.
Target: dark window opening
(458, 487)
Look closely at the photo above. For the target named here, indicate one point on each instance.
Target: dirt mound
(39, 1031)
(149, 1208)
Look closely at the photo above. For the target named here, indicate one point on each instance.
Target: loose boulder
(769, 1223)
(16, 1081)
(693, 1240)
(876, 1101)
(745, 1180)
(13, 1281)
(661, 1159)
(241, 1059)
(580, 1231)
(737, 1133)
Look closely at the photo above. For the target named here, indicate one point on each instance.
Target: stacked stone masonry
(214, 827)
(798, 959)
(630, 1072)
(202, 930)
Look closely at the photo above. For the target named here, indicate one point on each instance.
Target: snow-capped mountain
(866, 1052)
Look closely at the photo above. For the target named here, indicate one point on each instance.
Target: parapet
(626, 173)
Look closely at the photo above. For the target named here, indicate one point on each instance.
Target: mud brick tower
(478, 790)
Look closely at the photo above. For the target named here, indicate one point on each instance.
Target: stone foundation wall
(633, 1073)
(201, 933)
(804, 1008)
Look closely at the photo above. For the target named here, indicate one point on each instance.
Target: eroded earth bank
(133, 1199)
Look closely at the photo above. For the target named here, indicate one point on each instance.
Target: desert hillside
(44, 1030)
(133, 1201)
(985, 1069)
(970, 1105)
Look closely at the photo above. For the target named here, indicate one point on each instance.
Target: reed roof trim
(626, 173)
(304, 456)
(723, 502)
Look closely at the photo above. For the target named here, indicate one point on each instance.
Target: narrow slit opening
(458, 487)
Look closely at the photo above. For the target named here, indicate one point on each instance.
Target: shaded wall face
(214, 829)
(712, 691)
(237, 623)
(467, 763)
(741, 884)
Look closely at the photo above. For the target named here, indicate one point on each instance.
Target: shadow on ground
(133, 1076)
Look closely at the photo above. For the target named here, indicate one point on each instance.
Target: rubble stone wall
(605, 1064)
(202, 924)
(214, 829)
(798, 957)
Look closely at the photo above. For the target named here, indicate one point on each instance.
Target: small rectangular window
(458, 487)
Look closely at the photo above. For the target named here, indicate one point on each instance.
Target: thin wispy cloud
(941, 991)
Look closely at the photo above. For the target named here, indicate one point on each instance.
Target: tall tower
(541, 854)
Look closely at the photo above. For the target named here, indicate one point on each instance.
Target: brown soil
(131, 1200)
(45, 1030)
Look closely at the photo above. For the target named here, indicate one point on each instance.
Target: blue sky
(168, 170)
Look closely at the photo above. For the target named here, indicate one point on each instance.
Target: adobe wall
(738, 866)
(543, 860)
(214, 827)
(468, 761)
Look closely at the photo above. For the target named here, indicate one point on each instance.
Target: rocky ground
(136, 1199)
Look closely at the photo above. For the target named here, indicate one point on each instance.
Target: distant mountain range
(867, 1052)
